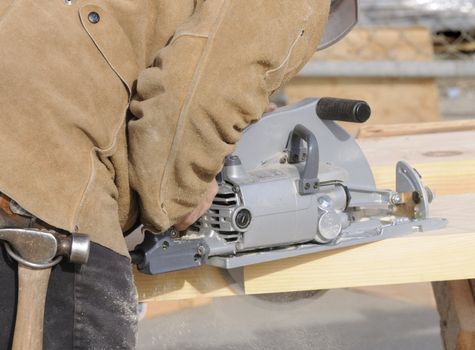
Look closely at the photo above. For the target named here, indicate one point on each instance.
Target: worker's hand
(189, 219)
(271, 107)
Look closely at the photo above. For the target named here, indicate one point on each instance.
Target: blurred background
(412, 61)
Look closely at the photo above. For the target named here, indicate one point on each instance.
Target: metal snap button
(93, 17)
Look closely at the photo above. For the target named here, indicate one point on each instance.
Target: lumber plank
(445, 160)
(427, 148)
(206, 281)
(372, 131)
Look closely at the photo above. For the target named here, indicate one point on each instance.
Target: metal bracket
(409, 180)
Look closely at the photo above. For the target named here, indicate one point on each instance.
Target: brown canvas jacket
(101, 99)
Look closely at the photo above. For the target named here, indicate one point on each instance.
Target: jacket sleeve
(211, 81)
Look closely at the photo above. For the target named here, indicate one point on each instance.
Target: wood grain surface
(373, 131)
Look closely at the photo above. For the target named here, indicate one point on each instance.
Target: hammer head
(42, 246)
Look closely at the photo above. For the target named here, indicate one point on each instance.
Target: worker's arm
(211, 81)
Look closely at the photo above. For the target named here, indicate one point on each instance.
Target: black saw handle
(353, 111)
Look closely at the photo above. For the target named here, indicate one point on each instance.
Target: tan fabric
(197, 72)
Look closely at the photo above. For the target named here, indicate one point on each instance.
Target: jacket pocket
(112, 42)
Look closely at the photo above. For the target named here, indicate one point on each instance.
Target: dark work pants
(87, 307)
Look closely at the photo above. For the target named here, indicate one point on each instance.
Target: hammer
(36, 252)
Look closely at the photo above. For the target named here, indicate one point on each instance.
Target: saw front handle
(308, 183)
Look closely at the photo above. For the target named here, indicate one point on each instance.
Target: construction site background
(421, 51)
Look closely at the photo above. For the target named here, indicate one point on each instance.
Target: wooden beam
(372, 131)
(445, 160)
(206, 281)
(416, 149)
(456, 306)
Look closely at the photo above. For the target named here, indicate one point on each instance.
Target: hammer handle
(32, 288)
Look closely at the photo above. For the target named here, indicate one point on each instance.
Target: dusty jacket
(194, 73)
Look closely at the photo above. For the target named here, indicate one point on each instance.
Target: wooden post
(456, 306)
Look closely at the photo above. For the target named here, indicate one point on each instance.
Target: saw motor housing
(265, 208)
